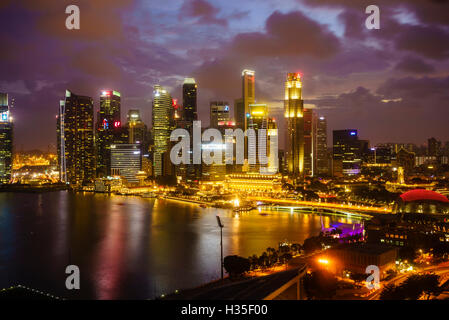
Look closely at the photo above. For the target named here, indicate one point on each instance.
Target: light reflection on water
(129, 247)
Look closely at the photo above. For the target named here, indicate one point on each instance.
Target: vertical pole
(221, 257)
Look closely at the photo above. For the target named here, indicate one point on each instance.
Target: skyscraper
(126, 161)
(273, 155)
(76, 145)
(346, 153)
(192, 172)
(108, 128)
(189, 102)
(258, 119)
(310, 144)
(219, 112)
(6, 139)
(322, 162)
(239, 114)
(294, 113)
(248, 94)
(163, 124)
(433, 147)
(137, 130)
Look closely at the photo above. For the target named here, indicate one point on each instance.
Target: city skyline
(224, 150)
(361, 78)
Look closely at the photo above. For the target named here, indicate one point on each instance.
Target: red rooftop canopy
(422, 194)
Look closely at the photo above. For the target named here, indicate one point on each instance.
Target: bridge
(360, 209)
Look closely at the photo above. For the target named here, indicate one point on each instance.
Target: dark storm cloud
(417, 91)
(204, 11)
(414, 65)
(286, 36)
(99, 19)
(404, 109)
(429, 41)
(130, 50)
(290, 34)
(39, 63)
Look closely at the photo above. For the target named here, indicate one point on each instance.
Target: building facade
(108, 127)
(346, 160)
(219, 112)
(6, 139)
(163, 124)
(126, 161)
(310, 142)
(322, 159)
(76, 145)
(294, 114)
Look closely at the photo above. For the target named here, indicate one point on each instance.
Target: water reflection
(129, 247)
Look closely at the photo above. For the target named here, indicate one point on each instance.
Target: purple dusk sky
(392, 84)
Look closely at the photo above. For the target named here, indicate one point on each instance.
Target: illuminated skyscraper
(273, 155)
(249, 91)
(346, 153)
(189, 102)
(137, 130)
(258, 119)
(108, 128)
(322, 160)
(126, 161)
(294, 113)
(76, 145)
(163, 124)
(6, 139)
(219, 112)
(310, 133)
(241, 107)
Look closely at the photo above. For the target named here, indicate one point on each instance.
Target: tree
(295, 248)
(392, 292)
(358, 277)
(419, 284)
(286, 257)
(236, 265)
(412, 288)
(312, 244)
(320, 284)
(254, 262)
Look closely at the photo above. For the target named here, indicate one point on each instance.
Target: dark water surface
(129, 247)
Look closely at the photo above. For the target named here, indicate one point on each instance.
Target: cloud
(203, 11)
(290, 34)
(429, 41)
(414, 65)
(99, 19)
(400, 110)
(419, 92)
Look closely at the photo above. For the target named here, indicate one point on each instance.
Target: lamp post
(221, 244)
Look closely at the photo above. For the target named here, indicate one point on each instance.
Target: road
(358, 208)
(442, 270)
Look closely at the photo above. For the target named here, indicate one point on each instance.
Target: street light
(221, 245)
